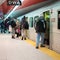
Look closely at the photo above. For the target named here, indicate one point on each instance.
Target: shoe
(42, 45)
(37, 47)
(22, 38)
(13, 37)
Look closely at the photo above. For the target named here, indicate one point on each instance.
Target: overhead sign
(14, 2)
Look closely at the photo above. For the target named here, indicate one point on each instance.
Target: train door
(47, 33)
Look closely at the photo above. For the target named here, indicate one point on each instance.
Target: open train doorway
(58, 19)
(47, 33)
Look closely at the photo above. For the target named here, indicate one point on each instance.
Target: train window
(58, 19)
(31, 21)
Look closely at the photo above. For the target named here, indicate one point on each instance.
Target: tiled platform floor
(16, 49)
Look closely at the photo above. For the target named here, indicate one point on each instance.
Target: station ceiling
(27, 6)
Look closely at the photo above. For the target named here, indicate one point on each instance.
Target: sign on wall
(14, 2)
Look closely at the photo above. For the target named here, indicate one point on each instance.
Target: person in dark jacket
(13, 25)
(24, 28)
(2, 27)
(40, 30)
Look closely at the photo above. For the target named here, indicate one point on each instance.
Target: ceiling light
(21, 0)
(11, 12)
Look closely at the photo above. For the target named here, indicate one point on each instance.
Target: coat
(40, 25)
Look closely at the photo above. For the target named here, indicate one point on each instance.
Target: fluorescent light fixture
(11, 12)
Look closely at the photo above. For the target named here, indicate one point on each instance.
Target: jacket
(40, 25)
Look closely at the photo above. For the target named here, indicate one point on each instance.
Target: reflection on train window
(31, 21)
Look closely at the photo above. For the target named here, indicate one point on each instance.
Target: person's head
(24, 18)
(41, 18)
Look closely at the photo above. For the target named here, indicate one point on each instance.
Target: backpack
(13, 24)
(40, 26)
(25, 25)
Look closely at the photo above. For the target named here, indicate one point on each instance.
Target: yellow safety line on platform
(47, 51)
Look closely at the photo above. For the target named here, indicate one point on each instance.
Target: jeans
(40, 35)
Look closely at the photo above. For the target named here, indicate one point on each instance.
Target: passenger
(2, 27)
(13, 25)
(18, 30)
(40, 30)
(24, 27)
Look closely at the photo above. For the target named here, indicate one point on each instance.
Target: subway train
(12, 43)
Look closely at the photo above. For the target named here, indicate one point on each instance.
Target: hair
(41, 18)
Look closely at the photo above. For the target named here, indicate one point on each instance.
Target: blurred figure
(13, 25)
(40, 30)
(6, 25)
(18, 30)
(24, 27)
(2, 27)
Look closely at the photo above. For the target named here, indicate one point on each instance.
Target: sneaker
(22, 38)
(42, 45)
(12, 36)
(37, 47)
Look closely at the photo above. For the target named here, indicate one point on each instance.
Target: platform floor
(16, 49)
